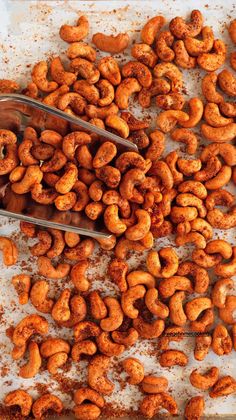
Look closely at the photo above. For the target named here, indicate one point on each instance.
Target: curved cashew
(219, 246)
(228, 108)
(31, 324)
(209, 88)
(81, 49)
(109, 69)
(141, 228)
(126, 88)
(75, 33)
(46, 402)
(134, 368)
(128, 299)
(139, 71)
(9, 251)
(30, 369)
(39, 77)
(224, 386)
(177, 314)
(227, 269)
(213, 61)
(155, 306)
(46, 269)
(38, 297)
(115, 317)
(97, 379)
(227, 82)
(149, 330)
(113, 44)
(83, 347)
(59, 74)
(182, 57)
(22, 283)
(163, 43)
(153, 384)
(213, 117)
(194, 408)
(171, 262)
(140, 277)
(200, 275)
(151, 404)
(219, 291)
(169, 286)
(145, 54)
(117, 270)
(167, 120)
(151, 28)
(202, 347)
(127, 338)
(85, 69)
(185, 136)
(172, 358)
(86, 329)
(107, 347)
(195, 113)
(80, 252)
(196, 47)
(227, 313)
(194, 307)
(221, 341)
(21, 398)
(226, 151)
(170, 101)
(180, 29)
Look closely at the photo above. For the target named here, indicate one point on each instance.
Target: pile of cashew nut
(140, 196)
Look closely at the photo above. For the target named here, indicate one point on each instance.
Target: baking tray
(29, 33)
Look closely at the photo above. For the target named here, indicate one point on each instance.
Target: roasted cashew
(219, 246)
(127, 338)
(227, 313)
(187, 199)
(213, 60)
(124, 246)
(182, 57)
(128, 182)
(80, 252)
(24, 153)
(61, 310)
(109, 69)
(219, 134)
(58, 73)
(177, 314)
(113, 44)
(128, 299)
(172, 358)
(137, 277)
(9, 251)
(194, 187)
(31, 324)
(151, 28)
(39, 77)
(32, 175)
(194, 408)
(46, 402)
(194, 307)
(155, 306)
(8, 86)
(107, 93)
(22, 284)
(51, 346)
(28, 229)
(97, 379)
(85, 69)
(228, 108)
(185, 136)
(84, 89)
(170, 101)
(162, 170)
(221, 220)
(213, 117)
(200, 257)
(81, 49)
(154, 264)
(43, 245)
(224, 386)
(196, 47)
(209, 88)
(151, 404)
(163, 43)
(86, 329)
(112, 221)
(117, 270)
(38, 297)
(134, 368)
(83, 347)
(171, 160)
(97, 306)
(227, 82)
(159, 87)
(87, 410)
(227, 269)
(204, 381)
(145, 54)
(221, 341)
(153, 384)
(46, 269)
(200, 275)
(78, 311)
(167, 120)
(219, 291)
(180, 29)
(107, 347)
(30, 369)
(149, 330)
(75, 33)
(20, 398)
(126, 88)
(221, 179)
(141, 228)
(139, 71)
(204, 323)
(169, 286)
(224, 150)
(202, 347)
(172, 73)
(72, 102)
(115, 317)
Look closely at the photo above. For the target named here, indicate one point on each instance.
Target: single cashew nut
(22, 283)
(134, 368)
(204, 381)
(20, 398)
(46, 402)
(97, 379)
